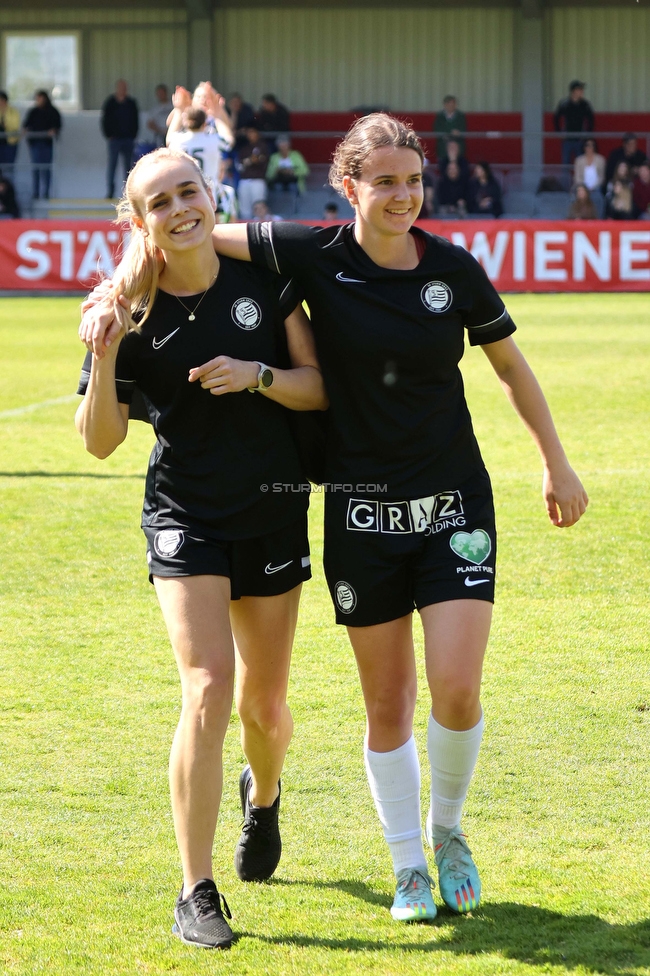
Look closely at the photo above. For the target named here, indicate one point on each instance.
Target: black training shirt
(214, 452)
(389, 344)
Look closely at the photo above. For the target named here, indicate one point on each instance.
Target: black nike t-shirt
(389, 344)
(213, 453)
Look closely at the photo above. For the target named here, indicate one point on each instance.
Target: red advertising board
(518, 255)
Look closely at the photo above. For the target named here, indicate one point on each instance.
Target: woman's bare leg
(196, 612)
(264, 629)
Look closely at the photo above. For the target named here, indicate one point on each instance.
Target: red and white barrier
(57, 255)
(526, 255)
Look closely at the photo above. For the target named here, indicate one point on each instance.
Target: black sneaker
(199, 918)
(259, 847)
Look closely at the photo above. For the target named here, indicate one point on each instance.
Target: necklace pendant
(191, 317)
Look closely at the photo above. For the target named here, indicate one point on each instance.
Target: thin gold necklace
(192, 311)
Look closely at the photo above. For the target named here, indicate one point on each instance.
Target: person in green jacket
(287, 168)
(449, 123)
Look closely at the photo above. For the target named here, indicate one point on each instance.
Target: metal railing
(21, 171)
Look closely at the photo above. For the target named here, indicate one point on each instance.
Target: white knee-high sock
(452, 756)
(394, 779)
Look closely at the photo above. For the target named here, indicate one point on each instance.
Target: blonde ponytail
(136, 276)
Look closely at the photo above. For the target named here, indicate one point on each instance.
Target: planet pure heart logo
(474, 547)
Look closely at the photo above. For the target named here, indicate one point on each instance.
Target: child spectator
(582, 207)
(622, 173)
(484, 192)
(331, 211)
(619, 202)
(261, 211)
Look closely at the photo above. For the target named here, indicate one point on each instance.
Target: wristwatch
(264, 379)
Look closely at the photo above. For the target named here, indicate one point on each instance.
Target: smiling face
(387, 196)
(175, 208)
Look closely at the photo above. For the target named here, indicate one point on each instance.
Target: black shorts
(264, 566)
(383, 559)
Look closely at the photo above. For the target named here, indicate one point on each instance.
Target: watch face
(266, 378)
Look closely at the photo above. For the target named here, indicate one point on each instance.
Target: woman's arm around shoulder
(298, 388)
(564, 497)
(231, 240)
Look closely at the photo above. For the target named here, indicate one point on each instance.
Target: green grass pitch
(558, 814)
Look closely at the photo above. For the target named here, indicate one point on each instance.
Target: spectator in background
(8, 204)
(428, 194)
(157, 117)
(208, 101)
(622, 173)
(450, 122)
(203, 146)
(451, 192)
(119, 122)
(619, 202)
(589, 168)
(225, 198)
(331, 211)
(241, 116)
(213, 104)
(45, 120)
(252, 162)
(453, 155)
(287, 169)
(641, 191)
(9, 122)
(484, 192)
(273, 116)
(261, 211)
(573, 114)
(628, 152)
(582, 206)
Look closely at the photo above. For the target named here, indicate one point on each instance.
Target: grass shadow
(531, 935)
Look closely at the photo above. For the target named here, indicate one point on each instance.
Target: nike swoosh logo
(357, 281)
(469, 582)
(157, 343)
(276, 569)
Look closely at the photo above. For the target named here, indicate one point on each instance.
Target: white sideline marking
(18, 411)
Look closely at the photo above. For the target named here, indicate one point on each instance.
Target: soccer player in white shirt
(205, 147)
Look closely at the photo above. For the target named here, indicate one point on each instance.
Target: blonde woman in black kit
(226, 558)
(390, 308)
